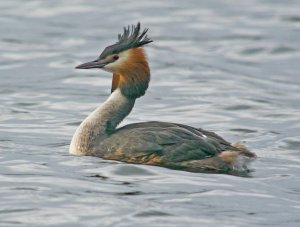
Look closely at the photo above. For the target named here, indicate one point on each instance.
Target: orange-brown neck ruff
(133, 75)
(115, 82)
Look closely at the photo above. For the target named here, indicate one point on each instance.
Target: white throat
(100, 123)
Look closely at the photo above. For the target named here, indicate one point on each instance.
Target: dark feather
(172, 142)
(132, 37)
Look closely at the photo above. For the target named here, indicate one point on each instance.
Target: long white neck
(100, 123)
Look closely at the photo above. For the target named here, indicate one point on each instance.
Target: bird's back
(166, 144)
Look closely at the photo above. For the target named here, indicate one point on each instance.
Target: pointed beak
(92, 64)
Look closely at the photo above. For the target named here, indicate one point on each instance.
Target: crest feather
(132, 37)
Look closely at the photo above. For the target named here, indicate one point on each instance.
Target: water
(227, 66)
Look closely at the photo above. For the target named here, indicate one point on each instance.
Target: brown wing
(161, 141)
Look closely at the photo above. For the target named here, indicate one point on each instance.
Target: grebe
(170, 145)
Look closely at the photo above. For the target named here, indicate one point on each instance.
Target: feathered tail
(235, 162)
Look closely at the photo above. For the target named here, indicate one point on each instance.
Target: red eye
(116, 57)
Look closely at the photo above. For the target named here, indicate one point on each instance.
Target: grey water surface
(227, 66)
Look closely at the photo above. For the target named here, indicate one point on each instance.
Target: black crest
(131, 38)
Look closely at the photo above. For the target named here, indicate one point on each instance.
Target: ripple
(239, 107)
(41, 12)
(130, 193)
(294, 19)
(152, 213)
(243, 130)
(291, 143)
(252, 51)
(15, 210)
(128, 170)
(282, 50)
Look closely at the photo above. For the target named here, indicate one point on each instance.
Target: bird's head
(127, 61)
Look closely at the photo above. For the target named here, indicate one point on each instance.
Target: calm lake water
(227, 66)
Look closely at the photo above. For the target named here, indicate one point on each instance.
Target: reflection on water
(227, 66)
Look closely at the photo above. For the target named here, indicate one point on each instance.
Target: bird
(166, 144)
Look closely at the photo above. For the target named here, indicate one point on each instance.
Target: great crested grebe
(164, 144)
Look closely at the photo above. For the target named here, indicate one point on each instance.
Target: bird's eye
(116, 57)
